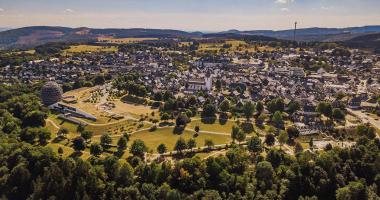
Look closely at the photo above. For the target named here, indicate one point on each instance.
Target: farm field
(89, 48)
(123, 40)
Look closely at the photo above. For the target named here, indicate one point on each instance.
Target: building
(51, 93)
(195, 85)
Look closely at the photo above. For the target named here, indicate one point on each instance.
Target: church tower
(208, 81)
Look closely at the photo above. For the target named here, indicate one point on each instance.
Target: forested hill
(371, 41)
(30, 170)
(37, 35)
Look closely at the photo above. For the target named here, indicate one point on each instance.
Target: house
(355, 103)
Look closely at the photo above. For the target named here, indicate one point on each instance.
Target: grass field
(123, 40)
(89, 48)
(216, 127)
(167, 137)
(210, 46)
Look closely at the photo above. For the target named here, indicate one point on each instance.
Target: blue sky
(191, 15)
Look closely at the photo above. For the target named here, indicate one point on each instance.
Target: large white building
(200, 84)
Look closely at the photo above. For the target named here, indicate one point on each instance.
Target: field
(234, 46)
(218, 132)
(167, 137)
(216, 127)
(123, 40)
(89, 48)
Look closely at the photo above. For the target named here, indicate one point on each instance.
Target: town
(163, 101)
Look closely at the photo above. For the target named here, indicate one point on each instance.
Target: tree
(240, 137)
(264, 171)
(80, 128)
(191, 144)
(99, 79)
(180, 145)
(96, 149)
(224, 106)
(86, 135)
(311, 143)
(293, 107)
(353, 191)
(269, 139)
(208, 110)
(35, 119)
(62, 132)
(161, 149)
(260, 107)
(43, 136)
(254, 145)
(60, 151)
(79, 144)
(234, 133)
(181, 120)
(298, 148)
(338, 114)
(282, 138)
(293, 132)
(366, 130)
(165, 117)
(138, 148)
(260, 120)
(248, 110)
(122, 143)
(106, 141)
(325, 109)
(31, 134)
(277, 119)
(276, 105)
(197, 129)
(209, 143)
(218, 84)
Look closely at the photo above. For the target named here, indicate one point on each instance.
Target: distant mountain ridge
(313, 34)
(36, 35)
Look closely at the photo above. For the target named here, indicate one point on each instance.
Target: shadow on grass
(58, 139)
(223, 121)
(178, 130)
(119, 153)
(76, 154)
(162, 124)
(208, 120)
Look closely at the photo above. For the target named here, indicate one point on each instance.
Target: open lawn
(215, 127)
(123, 40)
(167, 137)
(117, 127)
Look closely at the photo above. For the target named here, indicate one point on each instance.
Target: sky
(190, 15)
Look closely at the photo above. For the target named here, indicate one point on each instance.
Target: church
(199, 84)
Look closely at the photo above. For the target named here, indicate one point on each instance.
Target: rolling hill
(37, 35)
(313, 34)
(371, 41)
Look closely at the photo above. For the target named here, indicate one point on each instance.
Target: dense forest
(30, 170)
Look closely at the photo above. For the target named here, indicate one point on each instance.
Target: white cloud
(68, 10)
(285, 9)
(2, 10)
(325, 8)
(284, 1)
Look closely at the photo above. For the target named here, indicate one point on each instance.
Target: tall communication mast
(295, 30)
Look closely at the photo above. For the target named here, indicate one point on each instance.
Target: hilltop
(27, 37)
